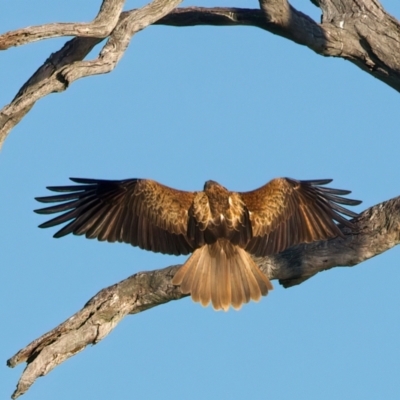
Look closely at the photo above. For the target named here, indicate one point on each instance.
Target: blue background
(234, 104)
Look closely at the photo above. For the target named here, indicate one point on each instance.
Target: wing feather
(286, 212)
(141, 212)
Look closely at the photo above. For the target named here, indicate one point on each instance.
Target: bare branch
(100, 27)
(357, 30)
(95, 321)
(301, 28)
(378, 231)
(44, 81)
(362, 33)
(289, 23)
(224, 16)
(130, 23)
(63, 67)
(332, 9)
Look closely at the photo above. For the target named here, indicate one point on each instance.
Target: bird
(221, 229)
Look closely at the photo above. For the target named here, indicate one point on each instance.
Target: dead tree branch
(66, 65)
(362, 32)
(378, 231)
(100, 27)
(130, 23)
(359, 31)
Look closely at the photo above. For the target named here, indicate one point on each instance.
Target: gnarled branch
(359, 31)
(378, 231)
(66, 65)
(100, 27)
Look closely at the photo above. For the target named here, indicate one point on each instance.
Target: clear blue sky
(237, 105)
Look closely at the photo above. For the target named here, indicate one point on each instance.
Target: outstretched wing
(141, 212)
(286, 212)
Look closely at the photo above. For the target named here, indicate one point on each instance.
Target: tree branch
(359, 31)
(100, 27)
(224, 16)
(378, 231)
(66, 65)
(43, 82)
(129, 24)
(362, 32)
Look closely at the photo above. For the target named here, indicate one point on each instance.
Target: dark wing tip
(64, 231)
(74, 188)
(352, 202)
(46, 224)
(317, 182)
(87, 205)
(331, 194)
(332, 198)
(85, 180)
(74, 198)
(40, 211)
(43, 199)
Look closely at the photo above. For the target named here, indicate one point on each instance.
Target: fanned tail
(222, 274)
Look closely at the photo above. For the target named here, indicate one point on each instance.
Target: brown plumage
(221, 228)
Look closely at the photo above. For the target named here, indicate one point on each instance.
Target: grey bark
(359, 31)
(378, 230)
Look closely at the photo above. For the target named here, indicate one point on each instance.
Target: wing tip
(42, 199)
(83, 180)
(60, 234)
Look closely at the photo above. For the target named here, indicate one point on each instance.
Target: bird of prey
(222, 229)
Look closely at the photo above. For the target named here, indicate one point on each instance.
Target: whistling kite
(221, 228)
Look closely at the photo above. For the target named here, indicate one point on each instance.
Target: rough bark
(359, 31)
(378, 230)
(65, 66)
(100, 27)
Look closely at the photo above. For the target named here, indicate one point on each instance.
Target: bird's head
(212, 186)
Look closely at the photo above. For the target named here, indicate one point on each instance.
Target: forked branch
(100, 27)
(66, 65)
(356, 30)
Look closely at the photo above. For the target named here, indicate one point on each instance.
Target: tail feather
(263, 283)
(187, 272)
(253, 286)
(245, 282)
(201, 282)
(222, 274)
(220, 279)
(238, 290)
